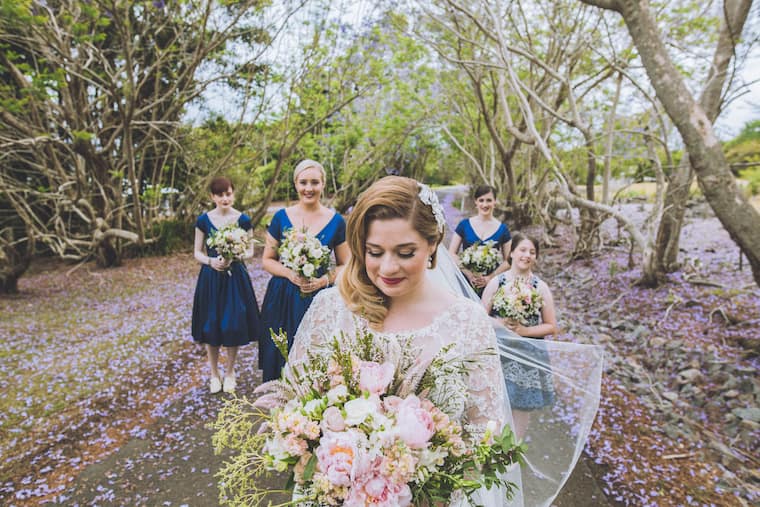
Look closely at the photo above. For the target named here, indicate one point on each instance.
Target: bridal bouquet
(356, 428)
(517, 300)
(481, 258)
(303, 253)
(231, 242)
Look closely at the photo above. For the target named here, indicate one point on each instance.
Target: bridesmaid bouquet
(481, 258)
(517, 300)
(303, 253)
(231, 242)
(356, 428)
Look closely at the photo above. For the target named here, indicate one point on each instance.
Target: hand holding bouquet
(355, 428)
(481, 258)
(517, 300)
(303, 253)
(231, 242)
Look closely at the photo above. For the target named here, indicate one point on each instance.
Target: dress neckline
(285, 212)
(423, 329)
(236, 221)
(475, 233)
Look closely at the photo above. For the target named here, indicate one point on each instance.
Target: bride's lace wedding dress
(474, 399)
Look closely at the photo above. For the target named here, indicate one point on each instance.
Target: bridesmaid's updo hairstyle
(519, 237)
(388, 198)
(308, 164)
(482, 190)
(220, 184)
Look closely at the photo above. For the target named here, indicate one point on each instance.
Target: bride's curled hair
(388, 198)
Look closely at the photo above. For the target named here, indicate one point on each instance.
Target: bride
(392, 285)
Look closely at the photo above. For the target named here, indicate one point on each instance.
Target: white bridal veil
(557, 433)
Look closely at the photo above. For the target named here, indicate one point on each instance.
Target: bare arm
(548, 325)
(456, 242)
(270, 261)
(342, 253)
(488, 293)
(200, 254)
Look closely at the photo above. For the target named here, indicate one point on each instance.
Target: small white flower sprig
(428, 197)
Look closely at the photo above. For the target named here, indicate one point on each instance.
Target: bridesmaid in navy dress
(225, 312)
(479, 229)
(284, 306)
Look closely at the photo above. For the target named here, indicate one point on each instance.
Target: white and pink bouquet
(481, 258)
(517, 300)
(303, 253)
(231, 242)
(355, 428)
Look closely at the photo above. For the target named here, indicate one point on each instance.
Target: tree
(92, 104)
(705, 151)
(711, 100)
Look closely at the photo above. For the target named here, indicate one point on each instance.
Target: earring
(430, 262)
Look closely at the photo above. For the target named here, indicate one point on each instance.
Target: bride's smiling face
(396, 256)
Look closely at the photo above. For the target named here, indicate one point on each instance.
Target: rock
(638, 332)
(603, 338)
(672, 431)
(670, 395)
(675, 344)
(749, 414)
(731, 393)
(657, 342)
(689, 376)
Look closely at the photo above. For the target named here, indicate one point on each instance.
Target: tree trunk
(15, 258)
(715, 179)
(669, 232)
(589, 235)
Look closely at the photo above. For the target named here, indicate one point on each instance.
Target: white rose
(337, 393)
(276, 448)
(308, 270)
(358, 410)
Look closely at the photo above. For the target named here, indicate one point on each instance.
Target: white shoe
(215, 385)
(229, 384)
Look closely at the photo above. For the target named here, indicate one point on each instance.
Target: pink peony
(391, 403)
(415, 424)
(332, 420)
(379, 491)
(336, 456)
(375, 377)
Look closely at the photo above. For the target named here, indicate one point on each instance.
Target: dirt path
(171, 462)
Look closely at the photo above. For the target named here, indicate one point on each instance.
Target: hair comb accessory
(428, 197)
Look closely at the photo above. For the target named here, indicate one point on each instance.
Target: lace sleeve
(318, 325)
(487, 399)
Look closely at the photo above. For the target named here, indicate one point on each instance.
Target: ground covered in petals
(105, 399)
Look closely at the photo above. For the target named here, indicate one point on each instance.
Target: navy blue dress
(528, 387)
(469, 237)
(225, 312)
(283, 306)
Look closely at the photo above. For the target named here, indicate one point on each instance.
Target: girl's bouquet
(231, 242)
(354, 428)
(303, 253)
(517, 300)
(481, 258)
